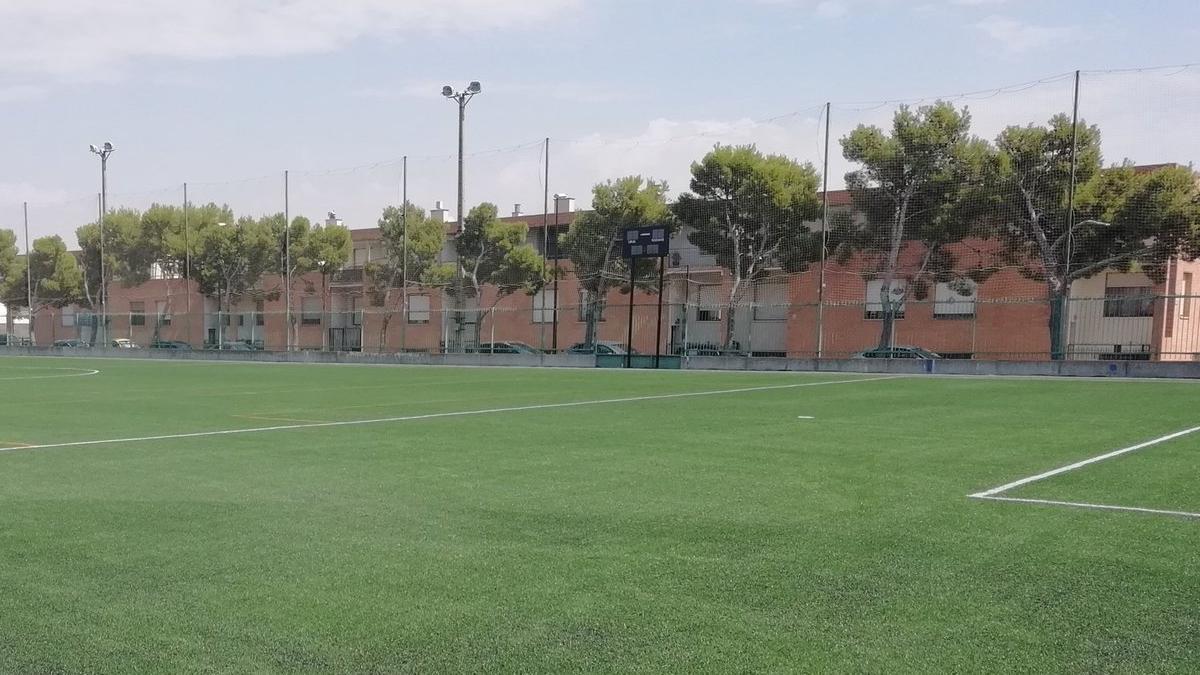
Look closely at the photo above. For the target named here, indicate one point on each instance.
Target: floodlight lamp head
(94, 149)
(448, 91)
(475, 87)
(108, 147)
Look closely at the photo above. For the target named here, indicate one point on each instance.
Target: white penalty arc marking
(1080, 464)
(78, 372)
(461, 413)
(1086, 505)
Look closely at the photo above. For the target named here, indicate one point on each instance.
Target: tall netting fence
(1052, 219)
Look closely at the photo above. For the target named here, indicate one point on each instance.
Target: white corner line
(461, 413)
(1071, 467)
(805, 417)
(1085, 505)
(81, 372)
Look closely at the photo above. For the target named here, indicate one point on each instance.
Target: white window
(771, 300)
(709, 305)
(1128, 301)
(418, 309)
(356, 311)
(1185, 309)
(160, 310)
(543, 306)
(310, 310)
(874, 306)
(68, 317)
(954, 300)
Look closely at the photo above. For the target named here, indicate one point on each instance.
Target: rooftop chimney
(564, 204)
(332, 219)
(438, 213)
(517, 211)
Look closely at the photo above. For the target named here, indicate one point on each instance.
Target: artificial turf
(716, 533)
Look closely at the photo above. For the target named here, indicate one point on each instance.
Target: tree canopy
(750, 211)
(593, 241)
(920, 182)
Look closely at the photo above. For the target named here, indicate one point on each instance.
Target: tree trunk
(1058, 316)
(590, 319)
(383, 330)
(887, 330)
(730, 325)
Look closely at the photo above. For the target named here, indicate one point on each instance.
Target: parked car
(607, 348)
(505, 348)
(897, 353)
(74, 344)
(14, 341)
(170, 344)
(124, 343)
(233, 346)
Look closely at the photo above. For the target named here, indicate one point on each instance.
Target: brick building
(1111, 315)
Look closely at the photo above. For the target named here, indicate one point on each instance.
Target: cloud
(831, 9)
(19, 93)
(1017, 37)
(92, 39)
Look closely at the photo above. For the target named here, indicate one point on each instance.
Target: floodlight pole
(462, 98)
(103, 151)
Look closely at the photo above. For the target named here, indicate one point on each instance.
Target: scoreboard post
(646, 242)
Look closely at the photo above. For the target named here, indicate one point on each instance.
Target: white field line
(461, 413)
(1085, 505)
(682, 372)
(1080, 464)
(80, 372)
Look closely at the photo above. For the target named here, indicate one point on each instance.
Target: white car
(124, 343)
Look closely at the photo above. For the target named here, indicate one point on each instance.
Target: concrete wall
(1145, 369)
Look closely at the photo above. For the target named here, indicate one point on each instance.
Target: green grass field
(636, 531)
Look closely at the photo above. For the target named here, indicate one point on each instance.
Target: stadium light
(103, 151)
(462, 98)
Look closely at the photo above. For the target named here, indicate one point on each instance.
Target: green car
(897, 353)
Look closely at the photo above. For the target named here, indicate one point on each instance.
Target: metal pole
(687, 288)
(404, 264)
(287, 266)
(187, 267)
(1063, 327)
(462, 116)
(824, 240)
(629, 327)
(545, 244)
(554, 330)
(103, 278)
(28, 273)
(462, 221)
(662, 266)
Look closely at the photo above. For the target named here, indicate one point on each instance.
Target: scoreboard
(647, 242)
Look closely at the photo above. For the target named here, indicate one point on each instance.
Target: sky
(225, 95)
